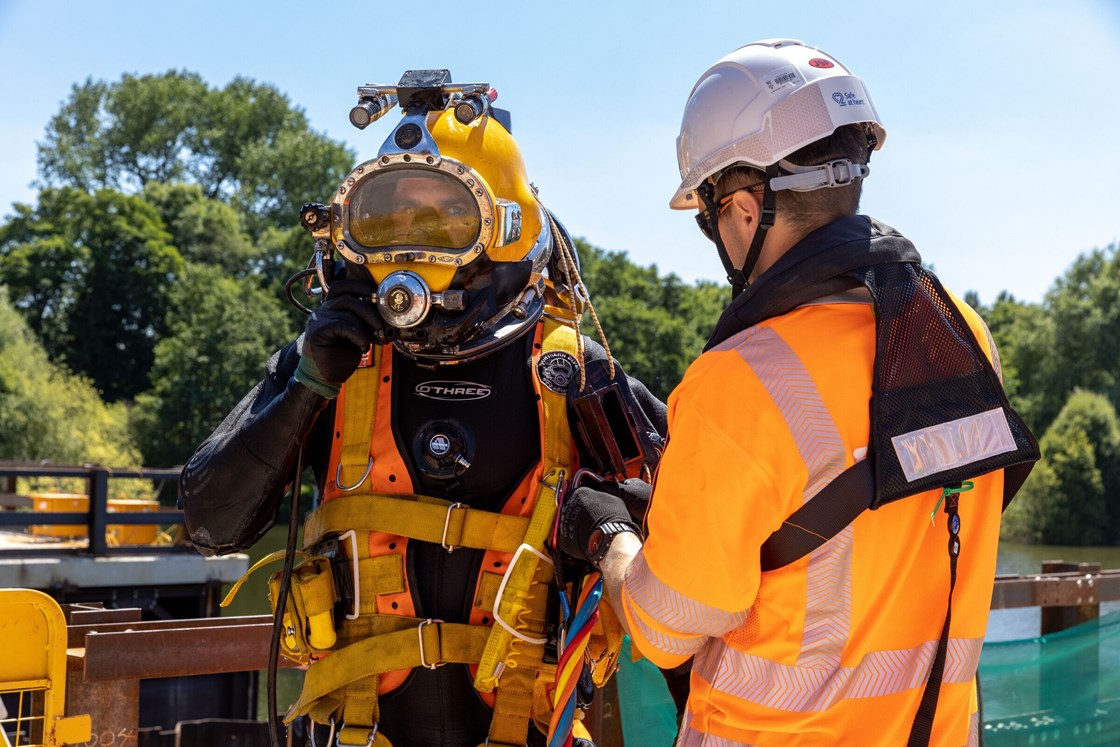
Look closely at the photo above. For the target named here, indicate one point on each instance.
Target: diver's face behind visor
(445, 221)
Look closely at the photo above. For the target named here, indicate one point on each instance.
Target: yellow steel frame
(33, 667)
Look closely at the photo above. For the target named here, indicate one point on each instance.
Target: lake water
(1006, 625)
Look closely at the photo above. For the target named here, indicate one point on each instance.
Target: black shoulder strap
(822, 517)
(837, 505)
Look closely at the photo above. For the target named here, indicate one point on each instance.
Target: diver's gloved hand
(337, 334)
(589, 514)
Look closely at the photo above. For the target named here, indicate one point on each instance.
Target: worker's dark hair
(805, 211)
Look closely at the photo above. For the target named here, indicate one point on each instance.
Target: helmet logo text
(847, 99)
(399, 300)
(820, 62)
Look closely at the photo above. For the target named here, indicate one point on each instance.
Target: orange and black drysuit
(840, 642)
(489, 411)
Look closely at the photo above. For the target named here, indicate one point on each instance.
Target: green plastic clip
(945, 493)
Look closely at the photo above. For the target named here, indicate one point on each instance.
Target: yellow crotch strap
(513, 653)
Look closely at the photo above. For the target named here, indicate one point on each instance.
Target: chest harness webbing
(934, 393)
(343, 685)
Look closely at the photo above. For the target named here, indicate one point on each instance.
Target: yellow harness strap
(519, 604)
(345, 683)
(420, 643)
(418, 517)
(359, 403)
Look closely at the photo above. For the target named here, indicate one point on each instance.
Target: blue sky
(1001, 162)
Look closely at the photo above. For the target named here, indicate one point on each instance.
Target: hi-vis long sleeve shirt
(835, 648)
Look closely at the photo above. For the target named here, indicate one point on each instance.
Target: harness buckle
(338, 737)
(447, 525)
(420, 636)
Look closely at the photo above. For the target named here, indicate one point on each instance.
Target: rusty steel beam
(98, 614)
(176, 652)
(1055, 589)
(76, 634)
(113, 707)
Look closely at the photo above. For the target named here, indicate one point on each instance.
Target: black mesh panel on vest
(929, 370)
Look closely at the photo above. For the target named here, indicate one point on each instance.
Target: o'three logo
(452, 391)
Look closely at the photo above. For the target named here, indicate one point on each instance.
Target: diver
(436, 395)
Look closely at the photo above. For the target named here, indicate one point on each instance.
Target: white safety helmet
(762, 102)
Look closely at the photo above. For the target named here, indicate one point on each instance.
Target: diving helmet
(444, 220)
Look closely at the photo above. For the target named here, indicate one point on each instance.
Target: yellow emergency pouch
(308, 622)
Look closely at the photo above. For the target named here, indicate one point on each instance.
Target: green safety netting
(1059, 689)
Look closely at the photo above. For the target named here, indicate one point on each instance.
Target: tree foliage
(221, 330)
(656, 325)
(48, 413)
(91, 273)
(1073, 495)
(244, 144)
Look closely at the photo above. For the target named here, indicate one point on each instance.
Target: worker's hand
(585, 511)
(337, 334)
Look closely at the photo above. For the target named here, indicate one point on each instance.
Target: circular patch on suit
(557, 369)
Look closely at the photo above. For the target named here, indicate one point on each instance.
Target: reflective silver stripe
(809, 689)
(690, 737)
(944, 446)
(828, 602)
(670, 644)
(673, 609)
(973, 729)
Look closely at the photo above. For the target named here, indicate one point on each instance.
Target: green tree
(245, 144)
(48, 413)
(1073, 495)
(90, 273)
(221, 330)
(203, 229)
(1024, 335)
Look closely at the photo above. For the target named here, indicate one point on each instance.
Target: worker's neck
(779, 239)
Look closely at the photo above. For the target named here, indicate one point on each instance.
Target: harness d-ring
(355, 486)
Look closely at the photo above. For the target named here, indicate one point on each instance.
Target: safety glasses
(708, 218)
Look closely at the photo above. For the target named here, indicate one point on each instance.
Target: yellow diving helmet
(444, 219)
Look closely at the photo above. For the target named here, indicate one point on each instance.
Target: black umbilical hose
(281, 603)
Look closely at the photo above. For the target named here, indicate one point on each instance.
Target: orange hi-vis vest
(369, 505)
(834, 648)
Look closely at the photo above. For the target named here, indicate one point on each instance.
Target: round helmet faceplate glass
(414, 207)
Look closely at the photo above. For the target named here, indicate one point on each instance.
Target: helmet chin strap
(740, 277)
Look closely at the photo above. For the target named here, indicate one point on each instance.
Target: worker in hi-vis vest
(821, 541)
(429, 393)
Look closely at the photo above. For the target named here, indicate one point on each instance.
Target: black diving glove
(589, 514)
(338, 334)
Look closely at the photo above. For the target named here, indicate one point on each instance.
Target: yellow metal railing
(33, 673)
